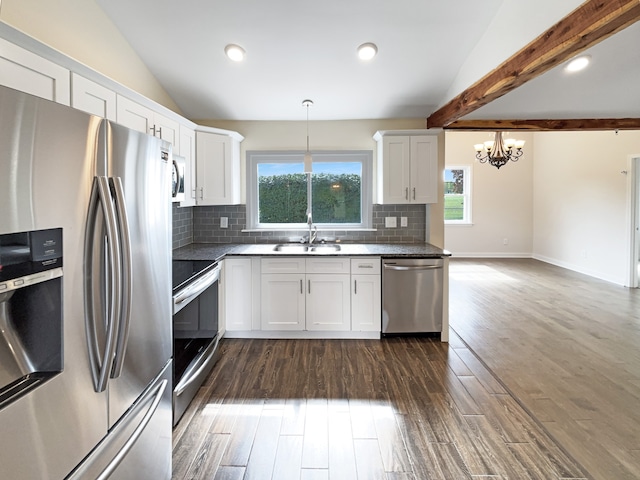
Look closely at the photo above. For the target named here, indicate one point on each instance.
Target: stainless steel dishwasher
(412, 295)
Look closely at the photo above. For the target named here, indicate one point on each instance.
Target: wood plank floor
(567, 346)
(394, 409)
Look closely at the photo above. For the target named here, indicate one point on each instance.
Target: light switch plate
(224, 222)
(404, 222)
(390, 222)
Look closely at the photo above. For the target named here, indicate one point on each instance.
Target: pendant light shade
(308, 160)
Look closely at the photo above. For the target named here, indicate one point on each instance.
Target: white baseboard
(490, 255)
(281, 334)
(579, 269)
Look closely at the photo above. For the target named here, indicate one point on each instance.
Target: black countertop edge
(217, 251)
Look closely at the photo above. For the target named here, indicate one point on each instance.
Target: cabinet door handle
(201, 193)
(414, 193)
(309, 286)
(355, 287)
(406, 193)
(301, 290)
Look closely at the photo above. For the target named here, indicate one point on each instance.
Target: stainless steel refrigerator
(85, 296)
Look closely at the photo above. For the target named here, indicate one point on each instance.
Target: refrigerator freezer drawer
(139, 445)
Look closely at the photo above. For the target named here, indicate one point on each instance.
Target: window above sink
(338, 192)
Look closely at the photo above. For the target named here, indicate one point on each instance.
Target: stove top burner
(183, 271)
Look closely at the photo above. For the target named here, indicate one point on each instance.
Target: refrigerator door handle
(126, 285)
(193, 371)
(100, 367)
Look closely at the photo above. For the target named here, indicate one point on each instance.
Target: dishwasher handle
(410, 267)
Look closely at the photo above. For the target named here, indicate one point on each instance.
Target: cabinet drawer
(365, 266)
(328, 265)
(283, 265)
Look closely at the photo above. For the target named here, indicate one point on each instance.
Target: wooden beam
(590, 23)
(548, 125)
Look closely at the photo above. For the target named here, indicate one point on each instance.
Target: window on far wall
(338, 192)
(457, 195)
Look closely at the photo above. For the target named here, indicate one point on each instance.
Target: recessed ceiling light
(367, 51)
(234, 52)
(578, 63)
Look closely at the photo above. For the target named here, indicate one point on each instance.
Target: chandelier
(498, 152)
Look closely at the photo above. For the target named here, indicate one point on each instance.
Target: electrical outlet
(390, 222)
(404, 222)
(505, 241)
(224, 222)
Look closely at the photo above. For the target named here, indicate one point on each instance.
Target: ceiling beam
(590, 23)
(548, 125)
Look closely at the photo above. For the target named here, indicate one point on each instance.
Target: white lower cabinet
(366, 295)
(310, 294)
(328, 302)
(283, 301)
(365, 303)
(236, 295)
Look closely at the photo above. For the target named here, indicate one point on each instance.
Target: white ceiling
(299, 49)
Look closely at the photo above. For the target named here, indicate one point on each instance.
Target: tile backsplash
(202, 225)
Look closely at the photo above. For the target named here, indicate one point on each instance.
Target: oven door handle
(197, 287)
(194, 370)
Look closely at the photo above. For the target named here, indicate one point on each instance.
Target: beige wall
(581, 201)
(502, 201)
(81, 30)
(326, 135)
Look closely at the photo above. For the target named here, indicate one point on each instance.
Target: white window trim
(365, 157)
(466, 215)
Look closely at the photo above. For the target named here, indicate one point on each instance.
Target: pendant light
(308, 161)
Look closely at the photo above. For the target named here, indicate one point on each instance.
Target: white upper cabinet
(188, 151)
(91, 97)
(407, 167)
(133, 115)
(25, 71)
(138, 117)
(217, 169)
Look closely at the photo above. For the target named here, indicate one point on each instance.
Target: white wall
(502, 200)
(81, 30)
(581, 217)
(327, 135)
(565, 202)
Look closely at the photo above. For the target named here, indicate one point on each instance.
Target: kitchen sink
(305, 248)
(325, 248)
(291, 248)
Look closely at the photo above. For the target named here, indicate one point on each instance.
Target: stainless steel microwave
(177, 179)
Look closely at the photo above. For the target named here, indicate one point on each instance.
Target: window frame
(466, 195)
(256, 157)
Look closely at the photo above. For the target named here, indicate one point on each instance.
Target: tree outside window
(457, 198)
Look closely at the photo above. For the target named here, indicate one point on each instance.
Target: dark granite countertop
(216, 251)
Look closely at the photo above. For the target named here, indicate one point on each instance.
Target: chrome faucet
(313, 230)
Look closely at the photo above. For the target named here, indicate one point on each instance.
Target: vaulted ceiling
(461, 64)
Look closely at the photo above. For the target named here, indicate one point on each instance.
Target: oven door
(195, 344)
